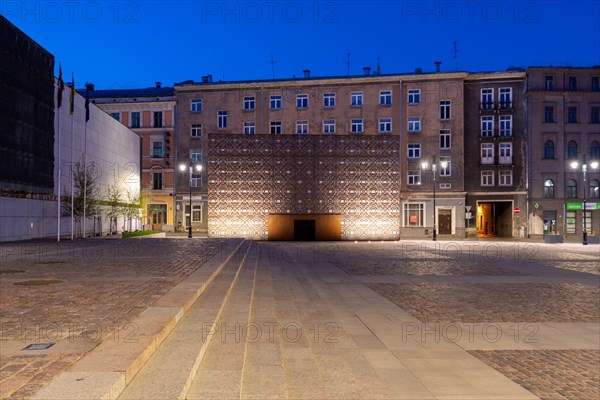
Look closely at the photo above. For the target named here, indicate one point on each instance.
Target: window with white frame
(196, 105)
(487, 178)
(414, 124)
(158, 119)
(157, 181)
(135, 119)
(505, 153)
(414, 150)
(414, 177)
(385, 97)
(414, 96)
(505, 125)
(385, 125)
(445, 139)
(356, 99)
(275, 127)
(157, 149)
(329, 126)
(275, 103)
(249, 128)
(413, 214)
(196, 155)
(487, 126)
(196, 130)
(445, 109)
(197, 212)
(487, 99)
(222, 119)
(487, 153)
(249, 103)
(302, 127)
(329, 100)
(445, 166)
(505, 178)
(302, 101)
(196, 179)
(356, 126)
(505, 97)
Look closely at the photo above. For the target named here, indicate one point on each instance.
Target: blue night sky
(128, 44)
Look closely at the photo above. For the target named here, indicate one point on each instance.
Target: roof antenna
(348, 63)
(378, 71)
(272, 62)
(455, 55)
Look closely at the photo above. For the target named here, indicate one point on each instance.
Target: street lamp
(584, 167)
(191, 168)
(425, 166)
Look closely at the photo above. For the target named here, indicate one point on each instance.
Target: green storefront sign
(579, 206)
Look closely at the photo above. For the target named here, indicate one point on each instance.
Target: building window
(135, 119)
(385, 97)
(356, 99)
(196, 212)
(595, 84)
(302, 101)
(445, 166)
(549, 189)
(487, 178)
(157, 149)
(196, 155)
(196, 180)
(505, 178)
(548, 114)
(302, 127)
(571, 222)
(414, 96)
(222, 122)
(549, 83)
(275, 102)
(595, 115)
(414, 150)
(249, 103)
(445, 139)
(413, 214)
(385, 125)
(572, 150)
(505, 153)
(356, 126)
(196, 130)
(594, 189)
(571, 115)
(329, 100)
(196, 105)
(487, 99)
(487, 153)
(548, 149)
(572, 83)
(158, 119)
(588, 221)
(505, 98)
(116, 116)
(571, 189)
(445, 109)
(487, 126)
(329, 126)
(249, 128)
(275, 127)
(414, 176)
(157, 181)
(505, 125)
(414, 124)
(595, 150)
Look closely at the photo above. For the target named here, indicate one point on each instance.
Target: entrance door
(445, 222)
(305, 230)
(157, 215)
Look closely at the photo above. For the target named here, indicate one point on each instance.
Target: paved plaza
(229, 318)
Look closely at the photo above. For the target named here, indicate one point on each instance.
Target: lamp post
(584, 166)
(424, 165)
(191, 168)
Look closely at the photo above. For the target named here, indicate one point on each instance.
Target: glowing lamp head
(424, 165)
(198, 167)
(444, 164)
(594, 164)
(574, 164)
(182, 167)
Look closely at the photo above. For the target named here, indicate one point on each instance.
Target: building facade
(150, 113)
(563, 107)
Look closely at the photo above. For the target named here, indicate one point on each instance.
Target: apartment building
(563, 107)
(150, 112)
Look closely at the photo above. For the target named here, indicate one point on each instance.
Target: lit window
(413, 214)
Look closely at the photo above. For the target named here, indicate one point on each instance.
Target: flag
(87, 104)
(61, 87)
(72, 96)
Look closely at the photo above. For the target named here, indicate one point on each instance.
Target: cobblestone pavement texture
(81, 290)
(549, 374)
(431, 267)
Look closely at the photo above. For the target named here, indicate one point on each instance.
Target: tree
(114, 195)
(85, 181)
(132, 209)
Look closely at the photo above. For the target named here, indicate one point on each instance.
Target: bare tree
(85, 181)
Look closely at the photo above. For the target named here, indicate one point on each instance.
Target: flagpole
(72, 113)
(59, 160)
(87, 117)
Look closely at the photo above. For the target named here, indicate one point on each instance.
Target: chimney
(158, 84)
(306, 73)
(89, 86)
(437, 66)
(209, 76)
(367, 71)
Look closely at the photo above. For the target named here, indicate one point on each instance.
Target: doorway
(305, 230)
(445, 222)
(495, 219)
